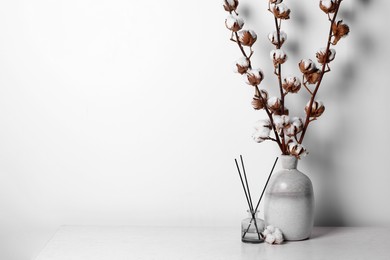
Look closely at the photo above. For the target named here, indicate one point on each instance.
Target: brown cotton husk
(295, 149)
(339, 30)
(292, 130)
(253, 79)
(279, 60)
(281, 15)
(291, 86)
(331, 9)
(321, 56)
(257, 103)
(307, 70)
(235, 28)
(274, 41)
(313, 78)
(318, 112)
(317, 109)
(274, 106)
(247, 39)
(241, 69)
(230, 7)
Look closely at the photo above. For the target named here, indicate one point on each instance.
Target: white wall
(124, 112)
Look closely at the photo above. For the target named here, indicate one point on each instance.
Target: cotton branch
(263, 100)
(324, 66)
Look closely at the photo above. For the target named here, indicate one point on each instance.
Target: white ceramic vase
(289, 201)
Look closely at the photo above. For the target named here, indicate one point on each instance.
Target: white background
(128, 113)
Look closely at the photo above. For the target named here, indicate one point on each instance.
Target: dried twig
(308, 113)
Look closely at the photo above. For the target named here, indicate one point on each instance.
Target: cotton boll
(291, 84)
(234, 23)
(230, 5)
(278, 56)
(271, 228)
(270, 239)
(281, 11)
(274, 103)
(278, 237)
(266, 232)
(247, 37)
(295, 127)
(317, 108)
(328, 6)
(277, 231)
(257, 101)
(321, 55)
(290, 131)
(273, 38)
(327, 3)
(263, 123)
(262, 130)
(254, 77)
(296, 149)
(231, 2)
(298, 123)
(259, 136)
(307, 66)
(273, 235)
(339, 31)
(241, 65)
(280, 123)
(310, 71)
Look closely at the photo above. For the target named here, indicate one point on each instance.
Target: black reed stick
(266, 184)
(262, 193)
(246, 182)
(247, 198)
(242, 182)
(250, 199)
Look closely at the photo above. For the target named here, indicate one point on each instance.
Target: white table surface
(138, 243)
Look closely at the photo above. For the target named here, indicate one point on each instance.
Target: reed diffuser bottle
(252, 228)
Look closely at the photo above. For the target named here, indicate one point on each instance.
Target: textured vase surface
(289, 201)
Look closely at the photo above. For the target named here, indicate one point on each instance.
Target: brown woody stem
(306, 87)
(271, 139)
(279, 75)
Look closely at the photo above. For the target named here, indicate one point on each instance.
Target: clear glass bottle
(249, 232)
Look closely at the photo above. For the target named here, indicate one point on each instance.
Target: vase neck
(289, 162)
